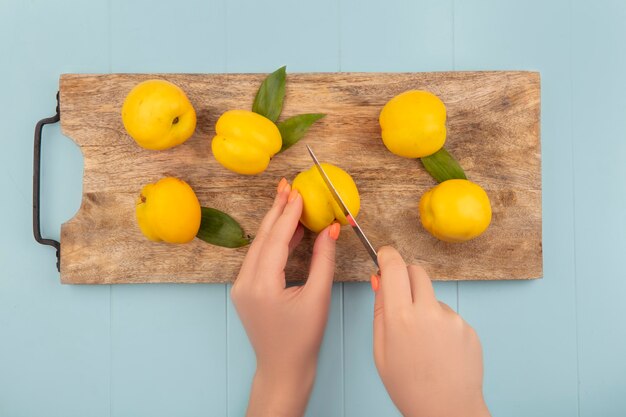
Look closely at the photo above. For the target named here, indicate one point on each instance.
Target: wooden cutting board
(493, 130)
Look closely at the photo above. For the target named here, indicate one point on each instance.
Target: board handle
(37, 183)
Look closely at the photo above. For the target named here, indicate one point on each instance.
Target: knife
(346, 212)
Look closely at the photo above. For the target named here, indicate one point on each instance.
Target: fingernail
(334, 230)
(292, 195)
(375, 281)
(281, 185)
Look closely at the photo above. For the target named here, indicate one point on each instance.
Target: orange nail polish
(281, 185)
(334, 230)
(292, 195)
(375, 281)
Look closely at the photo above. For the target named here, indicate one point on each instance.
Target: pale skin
(428, 357)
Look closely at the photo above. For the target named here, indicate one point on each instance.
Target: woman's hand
(428, 357)
(284, 325)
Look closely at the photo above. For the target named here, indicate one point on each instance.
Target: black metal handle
(37, 182)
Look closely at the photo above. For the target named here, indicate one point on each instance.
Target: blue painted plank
(54, 349)
(168, 350)
(161, 36)
(399, 35)
(528, 329)
(598, 125)
(365, 394)
(168, 342)
(262, 36)
(327, 397)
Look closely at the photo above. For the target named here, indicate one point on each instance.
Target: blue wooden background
(553, 347)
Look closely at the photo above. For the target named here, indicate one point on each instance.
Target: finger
(250, 261)
(394, 285)
(271, 217)
(296, 239)
(275, 251)
(421, 286)
(322, 268)
(379, 328)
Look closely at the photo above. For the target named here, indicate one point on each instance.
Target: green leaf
(442, 166)
(269, 99)
(218, 228)
(292, 129)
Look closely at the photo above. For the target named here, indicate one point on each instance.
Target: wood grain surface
(493, 130)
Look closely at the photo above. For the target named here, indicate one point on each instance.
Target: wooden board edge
(70, 75)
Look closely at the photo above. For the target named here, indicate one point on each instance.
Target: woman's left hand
(285, 325)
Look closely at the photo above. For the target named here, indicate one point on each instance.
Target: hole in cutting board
(62, 167)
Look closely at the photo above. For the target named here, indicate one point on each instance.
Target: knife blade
(346, 212)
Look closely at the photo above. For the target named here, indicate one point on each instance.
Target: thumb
(322, 268)
(379, 327)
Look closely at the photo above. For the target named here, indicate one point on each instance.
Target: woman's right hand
(428, 357)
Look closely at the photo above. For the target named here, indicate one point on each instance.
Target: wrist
(280, 392)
